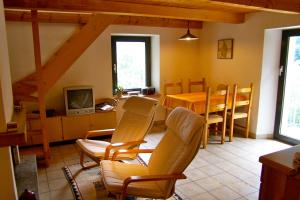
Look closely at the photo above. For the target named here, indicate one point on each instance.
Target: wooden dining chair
(221, 86)
(241, 108)
(173, 87)
(215, 112)
(201, 83)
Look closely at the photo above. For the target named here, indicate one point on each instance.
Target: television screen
(80, 98)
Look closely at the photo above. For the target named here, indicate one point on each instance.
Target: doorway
(287, 121)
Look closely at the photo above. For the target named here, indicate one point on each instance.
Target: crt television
(79, 100)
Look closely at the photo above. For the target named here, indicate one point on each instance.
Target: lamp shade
(188, 35)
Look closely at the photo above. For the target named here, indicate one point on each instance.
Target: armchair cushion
(96, 148)
(114, 173)
(184, 124)
(137, 105)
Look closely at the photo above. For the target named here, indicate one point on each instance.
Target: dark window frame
(147, 40)
(286, 34)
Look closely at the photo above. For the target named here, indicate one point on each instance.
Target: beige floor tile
(208, 183)
(197, 162)
(190, 189)
(203, 196)
(58, 184)
(254, 181)
(211, 170)
(240, 173)
(226, 178)
(43, 187)
(253, 196)
(195, 174)
(44, 196)
(65, 194)
(42, 178)
(213, 159)
(224, 193)
(55, 174)
(55, 166)
(242, 188)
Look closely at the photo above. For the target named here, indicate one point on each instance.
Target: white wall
(246, 65)
(269, 82)
(7, 183)
(174, 59)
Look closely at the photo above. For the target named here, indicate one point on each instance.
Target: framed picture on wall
(225, 49)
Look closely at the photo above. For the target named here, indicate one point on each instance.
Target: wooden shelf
(15, 137)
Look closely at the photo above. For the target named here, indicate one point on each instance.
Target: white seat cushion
(114, 173)
(96, 148)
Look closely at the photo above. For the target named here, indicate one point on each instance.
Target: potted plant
(119, 91)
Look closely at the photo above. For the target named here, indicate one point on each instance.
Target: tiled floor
(229, 171)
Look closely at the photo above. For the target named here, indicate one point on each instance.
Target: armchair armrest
(144, 178)
(121, 144)
(99, 132)
(130, 151)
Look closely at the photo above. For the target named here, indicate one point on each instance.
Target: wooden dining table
(194, 101)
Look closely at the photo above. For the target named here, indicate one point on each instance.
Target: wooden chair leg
(247, 127)
(205, 135)
(81, 159)
(223, 132)
(231, 129)
(82, 162)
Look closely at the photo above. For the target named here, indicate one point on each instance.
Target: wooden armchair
(135, 123)
(168, 160)
(215, 112)
(201, 83)
(241, 108)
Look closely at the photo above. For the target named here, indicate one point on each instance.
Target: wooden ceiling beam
(82, 18)
(72, 49)
(276, 5)
(129, 9)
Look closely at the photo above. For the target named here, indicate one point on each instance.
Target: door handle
(280, 70)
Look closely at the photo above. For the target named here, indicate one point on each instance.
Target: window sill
(156, 95)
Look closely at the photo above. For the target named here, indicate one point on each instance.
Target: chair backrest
(178, 147)
(221, 86)
(173, 87)
(242, 97)
(201, 83)
(136, 120)
(216, 101)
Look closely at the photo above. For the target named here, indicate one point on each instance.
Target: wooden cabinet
(68, 127)
(34, 129)
(54, 128)
(279, 179)
(75, 126)
(103, 120)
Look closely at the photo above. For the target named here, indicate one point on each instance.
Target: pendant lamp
(188, 35)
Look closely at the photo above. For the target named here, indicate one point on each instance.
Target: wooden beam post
(68, 53)
(41, 92)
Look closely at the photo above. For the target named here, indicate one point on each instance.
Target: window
(131, 62)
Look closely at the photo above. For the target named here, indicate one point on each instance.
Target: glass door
(287, 122)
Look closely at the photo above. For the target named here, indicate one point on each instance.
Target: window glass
(131, 62)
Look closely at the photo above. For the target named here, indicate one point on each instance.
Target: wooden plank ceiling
(227, 11)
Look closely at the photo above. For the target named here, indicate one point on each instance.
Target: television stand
(63, 128)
